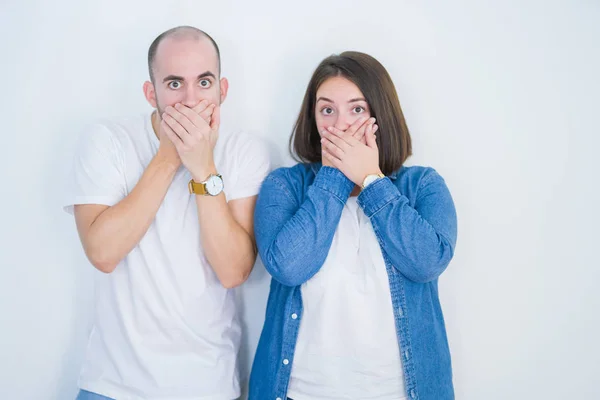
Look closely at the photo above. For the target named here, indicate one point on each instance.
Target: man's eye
(327, 111)
(205, 83)
(174, 85)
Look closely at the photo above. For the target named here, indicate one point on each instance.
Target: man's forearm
(228, 247)
(118, 229)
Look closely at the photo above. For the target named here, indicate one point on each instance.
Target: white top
(347, 346)
(164, 326)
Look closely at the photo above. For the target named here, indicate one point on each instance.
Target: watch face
(214, 185)
(369, 179)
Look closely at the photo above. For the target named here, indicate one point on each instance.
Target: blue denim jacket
(414, 219)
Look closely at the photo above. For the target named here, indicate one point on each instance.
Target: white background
(500, 98)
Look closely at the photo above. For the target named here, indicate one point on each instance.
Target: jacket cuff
(375, 196)
(335, 182)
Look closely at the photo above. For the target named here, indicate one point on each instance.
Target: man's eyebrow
(173, 78)
(180, 78)
(205, 74)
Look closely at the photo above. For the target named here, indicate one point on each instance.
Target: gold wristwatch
(212, 186)
(371, 178)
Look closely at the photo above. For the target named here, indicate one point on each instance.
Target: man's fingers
(180, 113)
(173, 137)
(216, 119)
(197, 119)
(176, 127)
(206, 115)
(201, 106)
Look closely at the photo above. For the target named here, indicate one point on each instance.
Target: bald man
(163, 204)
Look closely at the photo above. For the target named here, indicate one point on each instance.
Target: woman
(355, 243)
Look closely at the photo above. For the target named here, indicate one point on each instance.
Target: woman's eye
(327, 111)
(205, 83)
(358, 109)
(174, 85)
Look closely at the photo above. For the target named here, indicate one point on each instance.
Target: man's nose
(191, 98)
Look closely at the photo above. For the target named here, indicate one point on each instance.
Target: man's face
(186, 71)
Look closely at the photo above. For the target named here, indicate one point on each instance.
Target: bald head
(179, 33)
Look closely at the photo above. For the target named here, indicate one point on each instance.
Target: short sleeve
(253, 165)
(96, 175)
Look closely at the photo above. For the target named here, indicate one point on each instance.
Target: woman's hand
(356, 130)
(342, 150)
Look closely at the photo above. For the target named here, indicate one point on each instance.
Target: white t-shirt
(164, 326)
(347, 346)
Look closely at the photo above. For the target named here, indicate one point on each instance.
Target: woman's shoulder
(293, 174)
(415, 176)
(294, 178)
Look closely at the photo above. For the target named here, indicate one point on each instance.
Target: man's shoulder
(117, 130)
(242, 145)
(114, 137)
(122, 126)
(240, 139)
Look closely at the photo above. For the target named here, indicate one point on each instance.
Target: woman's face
(339, 104)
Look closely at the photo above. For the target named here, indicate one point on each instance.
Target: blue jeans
(85, 395)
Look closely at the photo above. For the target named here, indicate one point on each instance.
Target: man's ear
(150, 93)
(224, 88)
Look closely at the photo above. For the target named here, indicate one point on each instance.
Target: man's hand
(166, 150)
(194, 132)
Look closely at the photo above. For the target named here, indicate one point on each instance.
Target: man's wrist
(170, 164)
(202, 175)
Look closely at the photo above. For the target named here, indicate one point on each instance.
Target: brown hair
(393, 138)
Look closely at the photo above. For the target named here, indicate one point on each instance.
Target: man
(166, 211)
